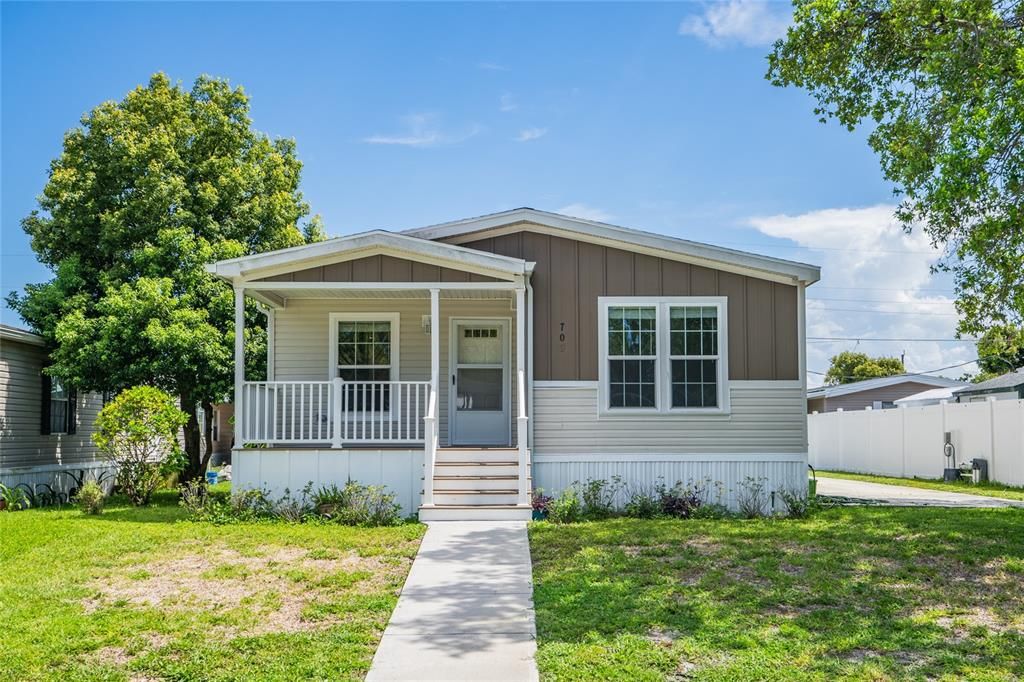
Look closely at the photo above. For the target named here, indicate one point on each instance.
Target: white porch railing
(522, 422)
(333, 412)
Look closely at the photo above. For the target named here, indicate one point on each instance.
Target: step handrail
(522, 431)
(430, 448)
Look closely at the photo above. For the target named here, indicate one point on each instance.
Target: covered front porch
(384, 352)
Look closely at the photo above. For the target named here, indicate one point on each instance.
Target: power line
(935, 253)
(945, 291)
(878, 300)
(912, 374)
(871, 338)
(881, 312)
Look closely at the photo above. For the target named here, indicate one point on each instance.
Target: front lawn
(852, 593)
(141, 594)
(988, 489)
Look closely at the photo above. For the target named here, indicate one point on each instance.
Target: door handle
(453, 380)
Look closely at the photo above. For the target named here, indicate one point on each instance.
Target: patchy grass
(140, 594)
(988, 489)
(852, 593)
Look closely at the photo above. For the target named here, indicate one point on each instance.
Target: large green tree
(848, 367)
(146, 192)
(1000, 350)
(940, 86)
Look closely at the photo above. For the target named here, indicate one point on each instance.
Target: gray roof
(881, 382)
(1008, 381)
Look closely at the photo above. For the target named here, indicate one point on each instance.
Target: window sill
(679, 412)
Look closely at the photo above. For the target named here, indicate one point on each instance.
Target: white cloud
(506, 102)
(491, 66)
(422, 130)
(531, 134)
(752, 23)
(586, 212)
(875, 266)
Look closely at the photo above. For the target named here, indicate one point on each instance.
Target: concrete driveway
(906, 496)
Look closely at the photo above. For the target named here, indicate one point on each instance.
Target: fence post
(992, 438)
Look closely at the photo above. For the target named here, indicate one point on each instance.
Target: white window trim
(394, 319)
(662, 366)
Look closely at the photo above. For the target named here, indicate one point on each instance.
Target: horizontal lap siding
(21, 444)
(763, 420)
(571, 274)
(302, 340)
(378, 269)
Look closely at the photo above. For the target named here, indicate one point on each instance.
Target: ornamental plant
(137, 433)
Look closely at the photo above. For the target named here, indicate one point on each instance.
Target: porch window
(364, 349)
(662, 355)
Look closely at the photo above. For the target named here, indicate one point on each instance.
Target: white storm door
(479, 396)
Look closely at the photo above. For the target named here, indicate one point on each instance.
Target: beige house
(463, 364)
(45, 426)
(878, 394)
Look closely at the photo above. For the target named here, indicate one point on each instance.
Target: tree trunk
(207, 433)
(196, 465)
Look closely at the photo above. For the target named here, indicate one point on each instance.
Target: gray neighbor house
(46, 425)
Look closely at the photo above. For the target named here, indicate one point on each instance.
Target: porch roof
(378, 242)
(277, 294)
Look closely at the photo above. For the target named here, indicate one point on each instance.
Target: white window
(58, 406)
(663, 355)
(364, 352)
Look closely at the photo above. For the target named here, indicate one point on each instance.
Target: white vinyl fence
(907, 441)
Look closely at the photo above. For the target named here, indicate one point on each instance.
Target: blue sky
(654, 116)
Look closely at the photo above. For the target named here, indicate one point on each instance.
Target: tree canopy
(848, 367)
(1000, 350)
(145, 193)
(940, 85)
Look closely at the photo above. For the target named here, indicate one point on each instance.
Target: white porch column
(241, 419)
(435, 340)
(430, 425)
(522, 421)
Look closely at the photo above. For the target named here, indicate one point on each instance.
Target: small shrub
(541, 502)
(751, 499)
(13, 498)
(566, 508)
(598, 497)
(357, 505)
(91, 497)
(799, 505)
(680, 501)
(294, 509)
(711, 510)
(643, 503)
(202, 504)
(137, 432)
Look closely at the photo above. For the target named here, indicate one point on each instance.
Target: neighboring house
(877, 394)
(45, 425)
(1009, 386)
(463, 364)
(932, 396)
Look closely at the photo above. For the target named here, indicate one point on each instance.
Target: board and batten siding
(766, 417)
(570, 275)
(378, 269)
(302, 340)
(26, 455)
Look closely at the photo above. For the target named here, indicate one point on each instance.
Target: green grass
(861, 593)
(988, 489)
(141, 594)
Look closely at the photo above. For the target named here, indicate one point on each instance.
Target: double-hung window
(663, 354)
(364, 353)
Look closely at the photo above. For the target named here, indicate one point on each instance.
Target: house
(46, 426)
(1009, 386)
(466, 363)
(933, 396)
(879, 394)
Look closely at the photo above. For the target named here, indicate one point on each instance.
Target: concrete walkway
(466, 611)
(906, 496)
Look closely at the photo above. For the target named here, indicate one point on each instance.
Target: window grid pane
(693, 353)
(364, 354)
(632, 347)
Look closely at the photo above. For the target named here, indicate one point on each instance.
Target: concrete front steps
(477, 484)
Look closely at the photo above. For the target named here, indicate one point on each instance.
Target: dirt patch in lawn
(275, 586)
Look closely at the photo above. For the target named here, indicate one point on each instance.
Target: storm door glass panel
(632, 357)
(364, 355)
(480, 372)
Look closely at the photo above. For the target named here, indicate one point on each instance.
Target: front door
(479, 396)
